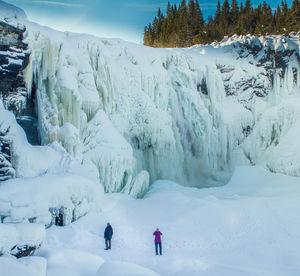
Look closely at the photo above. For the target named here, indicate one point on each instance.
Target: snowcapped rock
(14, 57)
(21, 239)
(40, 199)
(11, 14)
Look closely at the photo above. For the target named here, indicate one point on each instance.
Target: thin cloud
(208, 6)
(55, 3)
(154, 6)
(146, 7)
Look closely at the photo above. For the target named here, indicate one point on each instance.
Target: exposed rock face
(23, 251)
(14, 57)
(272, 59)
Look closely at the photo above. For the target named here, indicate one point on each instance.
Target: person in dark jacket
(108, 232)
(59, 220)
(157, 241)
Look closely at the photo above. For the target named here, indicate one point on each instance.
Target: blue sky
(106, 18)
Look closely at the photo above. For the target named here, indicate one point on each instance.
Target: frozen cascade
(188, 115)
(132, 114)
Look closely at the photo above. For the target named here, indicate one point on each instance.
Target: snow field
(29, 266)
(248, 227)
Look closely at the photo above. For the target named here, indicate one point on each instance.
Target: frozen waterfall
(189, 115)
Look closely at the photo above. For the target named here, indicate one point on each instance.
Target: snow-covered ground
(249, 227)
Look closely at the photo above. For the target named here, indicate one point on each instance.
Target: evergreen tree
(225, 19)
(293, 22)
(158, 26)
(267, 21)
(199, 20)
(218, 14)
(6, 169)
(248, 7)
(148, 35)
(184, 32)
(167, 28)
(234, 12)
(278, 19)
(183, 26)
(191, 17)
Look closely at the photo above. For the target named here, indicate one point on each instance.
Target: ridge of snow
(12, 15)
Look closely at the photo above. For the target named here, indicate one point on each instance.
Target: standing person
(108, 232)
(59, 220)
(157, 241)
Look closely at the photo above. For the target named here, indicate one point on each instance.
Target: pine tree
(234, 12)
(199, 20)
(191, 17)
(278, 21)
(168, 25)
(218, 14)
(293, 22)
(183, 26)
(249, 19)
(239, 29)
(225, 19)
(248, 7)
(267, 18)
(158, 27)
(258, 14)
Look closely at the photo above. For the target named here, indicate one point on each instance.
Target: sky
(124, 19)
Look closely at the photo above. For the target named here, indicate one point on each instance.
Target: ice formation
(132, 114)
(49, 181)
(189, 115)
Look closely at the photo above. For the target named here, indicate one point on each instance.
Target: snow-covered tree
(6, 169)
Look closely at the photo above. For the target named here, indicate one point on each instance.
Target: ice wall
(189, 115)
(47, 181)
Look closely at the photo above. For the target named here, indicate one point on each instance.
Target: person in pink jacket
(157, 241)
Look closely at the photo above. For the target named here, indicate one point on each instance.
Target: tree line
(184, 25)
